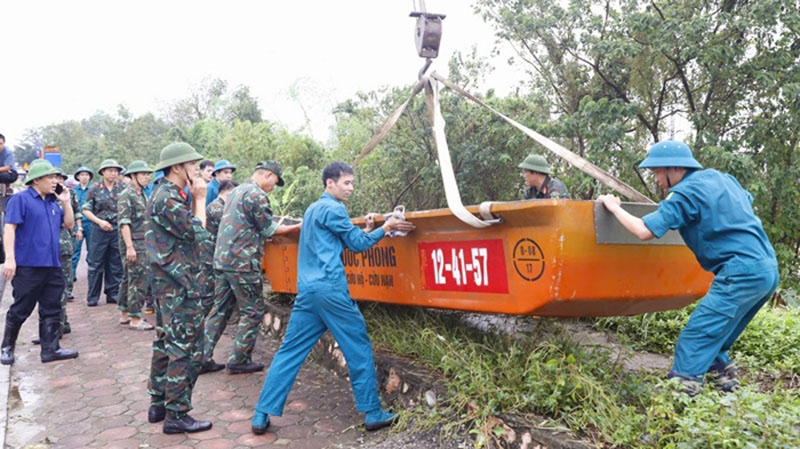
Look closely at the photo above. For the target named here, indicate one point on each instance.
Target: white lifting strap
(445, 164)
(485, 210)
(582, 164)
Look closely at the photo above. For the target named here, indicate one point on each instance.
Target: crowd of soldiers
(149, 240)
(188, 246)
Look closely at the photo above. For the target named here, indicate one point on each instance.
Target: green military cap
(274, 167)
(83, 169)
(138, 167)
(537, 163)
(109, 163)
(175, 154)
(40, 168)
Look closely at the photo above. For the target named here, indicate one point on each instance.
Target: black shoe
(260, 423)
(211, 366)
(92, 304)
(70, 298)
(58, 354)
(245, 368)
(67, 329)
(379, 420)
(187, 424)
(7, 355)
(111, 301)
(156, 413)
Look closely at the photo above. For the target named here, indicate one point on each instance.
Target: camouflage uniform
(214, 212)
(551, 188)
(104, 258)
(208, 277)
(244, 228)
(67, 242)
(173, 242)
(132, 210)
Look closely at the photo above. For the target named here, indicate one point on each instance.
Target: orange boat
(561, 258)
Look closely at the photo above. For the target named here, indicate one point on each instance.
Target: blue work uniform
(7, 159)
(212, 191)
(323, 303)
(715, 217)
(80, 193)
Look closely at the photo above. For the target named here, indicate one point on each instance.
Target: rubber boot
(50, 333)
(9, 343)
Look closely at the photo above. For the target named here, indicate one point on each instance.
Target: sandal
(124, 322)
(142, 326)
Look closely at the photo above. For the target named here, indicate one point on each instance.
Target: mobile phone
(59, 189)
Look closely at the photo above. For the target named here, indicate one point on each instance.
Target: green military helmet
(83, 169)
(537, 163)
(109, 163)
(61, 174)
(175, 154)
(670, 153)
(40, 168)
(138, 167)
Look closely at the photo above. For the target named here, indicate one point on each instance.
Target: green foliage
(746, 419)
(619, 75)
(770, 343)
(656, 332)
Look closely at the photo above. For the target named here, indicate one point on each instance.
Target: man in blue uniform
(323, 303)
(83, 228)
(714, 215)
(223, 171)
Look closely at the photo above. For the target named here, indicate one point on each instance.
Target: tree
(619, 74)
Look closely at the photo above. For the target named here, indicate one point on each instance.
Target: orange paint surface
(542, 260)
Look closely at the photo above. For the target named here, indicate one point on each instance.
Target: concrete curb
(5, 370)
(401, 381)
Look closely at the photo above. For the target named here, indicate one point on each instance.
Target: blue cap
(670, 153)
(222, 165)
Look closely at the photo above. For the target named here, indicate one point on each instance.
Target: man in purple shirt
(33, 263)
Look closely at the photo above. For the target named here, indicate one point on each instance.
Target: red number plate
(467, 266)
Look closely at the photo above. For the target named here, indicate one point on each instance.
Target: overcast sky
(65, 60)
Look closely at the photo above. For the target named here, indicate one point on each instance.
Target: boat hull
(547, 258)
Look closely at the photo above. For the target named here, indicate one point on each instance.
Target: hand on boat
(369, 221)
(611, 202)
(398, 226)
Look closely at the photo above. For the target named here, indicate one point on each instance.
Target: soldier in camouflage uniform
(67, 243)
(213, 217)
(215, 209)
(133, 220)
(536, 172)
(173, 241)
(104, 260)
(244, 229)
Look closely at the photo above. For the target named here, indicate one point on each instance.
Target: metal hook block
(428, 33)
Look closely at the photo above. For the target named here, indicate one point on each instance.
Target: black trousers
(9, 177)
(36, 285)
(104, 262)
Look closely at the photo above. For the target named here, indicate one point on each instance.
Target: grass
(587, 391)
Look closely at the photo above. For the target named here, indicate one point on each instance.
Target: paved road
(99, 400)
